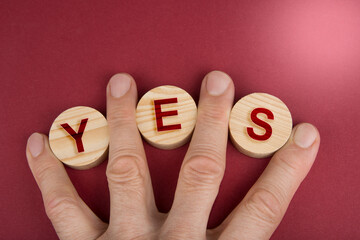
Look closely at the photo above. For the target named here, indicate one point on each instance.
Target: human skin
(133, 213)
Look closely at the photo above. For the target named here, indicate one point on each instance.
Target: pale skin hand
(133, 214)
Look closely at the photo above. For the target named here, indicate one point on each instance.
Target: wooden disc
(166, 117)
(260, 124)
(79, 137)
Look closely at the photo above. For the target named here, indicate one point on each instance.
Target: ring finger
(203, 167)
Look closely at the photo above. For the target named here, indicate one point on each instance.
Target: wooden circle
(94, 140)
(243, 128)
(171, 106)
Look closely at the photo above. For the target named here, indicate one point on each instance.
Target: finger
(70, 216)
(262, 209)
(203, 167)
(131, 195)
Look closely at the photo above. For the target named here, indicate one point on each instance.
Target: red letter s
(261, 123)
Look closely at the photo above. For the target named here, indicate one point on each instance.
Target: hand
(133, 214)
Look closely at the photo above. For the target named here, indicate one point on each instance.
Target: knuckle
(57, 206)
(202, 171)
(42, 171)
(213, 114)
(265, 206)
(125, 169)
(180, 231)
(290, 162)
(120, 115)
(176, 235)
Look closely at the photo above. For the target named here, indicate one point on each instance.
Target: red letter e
(159, 114)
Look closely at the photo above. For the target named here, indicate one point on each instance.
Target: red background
(56, 55)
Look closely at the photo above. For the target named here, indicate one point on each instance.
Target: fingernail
(217, 82)
(305, 135)
(119, 85)
(36, 144)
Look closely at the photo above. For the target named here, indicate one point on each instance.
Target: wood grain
(95, 138)
(240, 120)
(186, 116)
